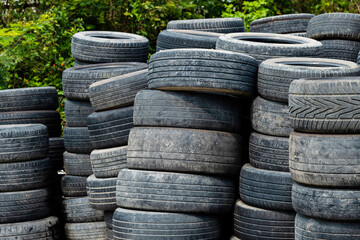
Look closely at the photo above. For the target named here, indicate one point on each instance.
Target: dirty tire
(77, 140)
(102, 193)
(252, 223)
(80, 231)
(117, 91)
(109, 234)
(174, 192)
(219, 25)
(79, 210)
(184, 150)
(56, 150)
(77, 164)
(326, 203)
(73, 186)
(341, 49)
(76, 113)
(325, 105)
(107, 163)
(108, 216)
(78, 63)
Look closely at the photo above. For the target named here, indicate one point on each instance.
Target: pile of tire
(24, 183)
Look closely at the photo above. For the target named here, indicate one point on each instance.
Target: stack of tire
(339, 33)
(324, 157)
(24, 183)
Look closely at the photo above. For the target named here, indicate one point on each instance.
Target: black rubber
(269, 152)
(287, 23)
(252, 223)
(358, 59)
(174, 192)
(108, 162)
(325, 105)
(263, 46)
(310, 228)
(109, 234)
(108, 216)
(107, 46)
(73, 186)
(77, 80)
(146, 225)
(102, 193)
(24, 206)
(326, 203)
(299, 34)
(77, 164)
(80, 231)
(270, 118)
(275, 75)
(22, 142)
(117, 91)
(78, 63)
(28, 99)
(220, 25)
(77, 112)
(185, 150)
(79, 210)
(203, 70)
(187, 110)
(77, 140)
(334, 26)
(110, 128)
(341, 49)
(56, 150)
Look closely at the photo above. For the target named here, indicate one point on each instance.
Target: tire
(326, 203)
(56, 150)
(23, 142)
(77, 140)
(263, 46)
(110, 128)
(21, 176)
(174, 192)
(77, 164)
(269, 152)
(24, 206)
(203, 70)
(172, 39)
(78, 63)
(144, 225)
(187, 110)
(270, 118)
(42, 229)
(79, 210)
(276, 75)
(219, 25)
(334, 26)
(107, 163)
(28, 99)
(288, 23)
(117, 91)
(310, 228)
(299, 34)
(341, 49)
(102, 193)
(80, 231)
(108, 216)
(73, 186)
(265, 188)
(252, 223)
(77, 112)
(358, 59)
(77, 80)
(109, 234)
(325, 105)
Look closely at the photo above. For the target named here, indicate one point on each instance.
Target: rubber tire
(325, 105)
(203, 70)
(73, 186)
(334, 26)
(109, 234)
(269, 152)
(107, 46)
(219, 25)
(270, 118)
(23, 142)
(276, 75)
(24, 206)
(252, 223)
(341, 49)
(108, 216)
(326, 203)
(358, 59)
(80, 231)
(28, 99)
(174, 192)
(77, 164)
(144, 225)
(187, 110)
(287, 23)
(102, 193)
(77, 112)
(78, 63)
(263, 46)
(107, 163)
(56, 150)
(77, 80)
(117, 91)
(79, 210)
(77, 140)
(110, 128)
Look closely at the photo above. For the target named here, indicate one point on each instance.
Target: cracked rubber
(80, 231)
(77, 164)
(79, 210)
(102, 192)
(77, 140)
(77, 112)
(341, 49)
(73, 186)
(108, 162)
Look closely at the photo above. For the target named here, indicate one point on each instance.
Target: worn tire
(77, 112)
(79, 210)
(174, 192)
(73, 186)
(341, 49)
(102, 193)
(77, 164)
(325, 105)
(108, 216)
(77, 140)
(80, 231)
(117, 91)
(56, 150)
(276, 75)
(219, 25)
(107, 163)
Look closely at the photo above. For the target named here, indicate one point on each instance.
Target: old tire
(85, 231)
(101, 193)
(56, 150)
(77, 112)
(73, 186)
(77, 164)
(77, 140)
(79, 210)
(219, 25)
(107, 163)
(341, 49)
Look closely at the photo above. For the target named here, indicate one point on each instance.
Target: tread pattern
(56, 150)
(79, 210)
(108, 162)
(77, 164)
(77, 112)
(219, 25)
(80, 231)
(77, 140)
(102, 193)
(341, 49)
(73, 186)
